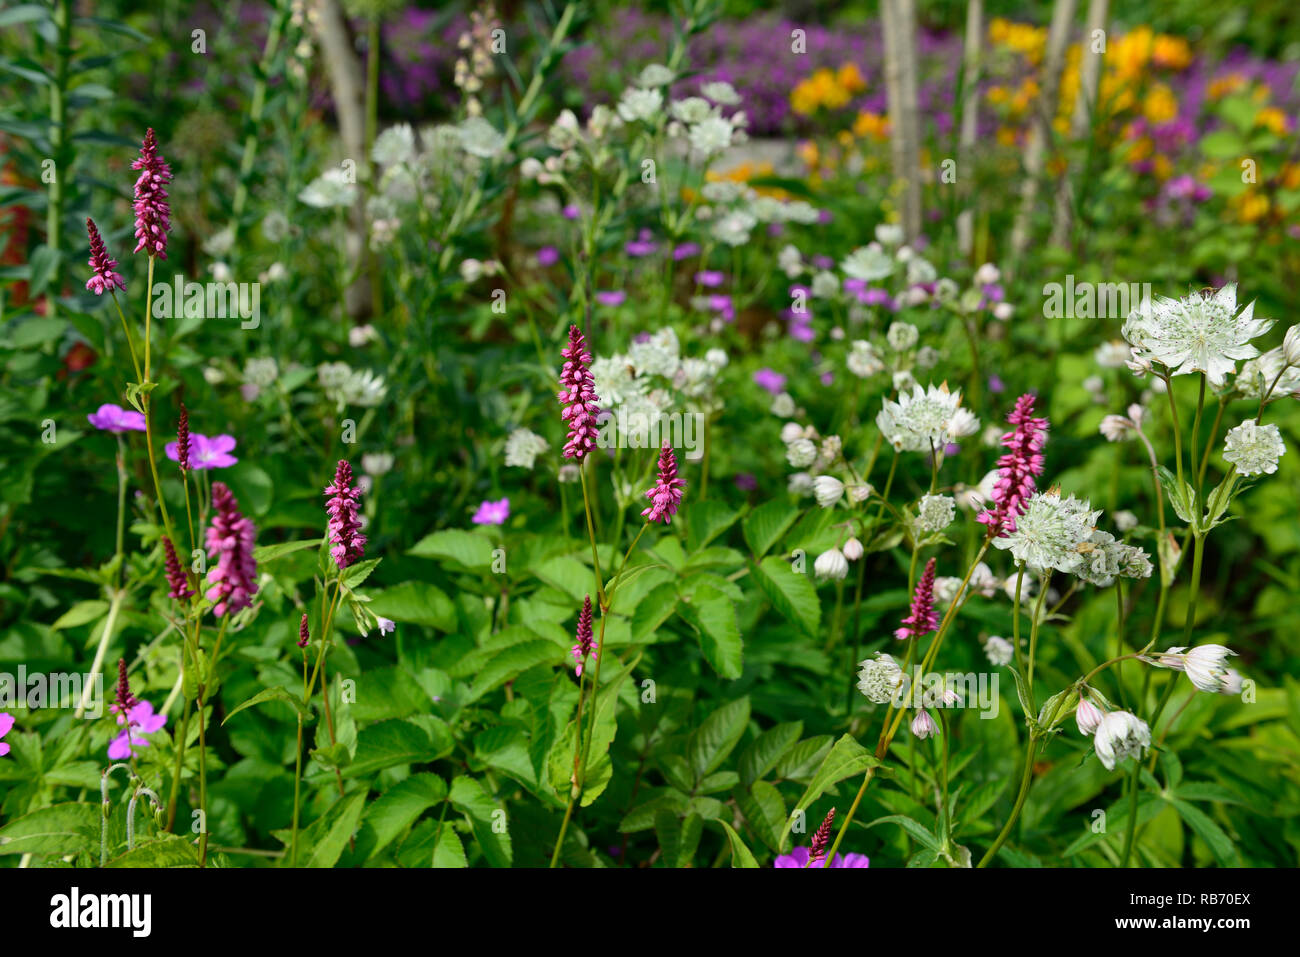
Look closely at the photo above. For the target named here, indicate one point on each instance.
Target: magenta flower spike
(578, 396)
(178, 585)
(666, 494)
(183, 439)
(152, 211)
(1017, 468)
(923, 618)
(230, 541)
(303, 635)
(344, 525)
(123, 700)
(103, 278)
(821, 840)
(586, 639)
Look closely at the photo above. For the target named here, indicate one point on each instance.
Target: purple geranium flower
(139, 720)
(770, 380)
(6, 723)
(798, 857)
(548, 256)
(710, 278)
(114, 418)
(492, 513)
(613, 297)
(686, 250)
(205, 453)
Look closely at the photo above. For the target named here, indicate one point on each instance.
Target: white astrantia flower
(853, 550)
(986, 275)
(721, 92)
(334, 187)
(1125, 521)
(1088, 717)
(1050, 531)
(378, 463)
(999, 651)
(825, 285)
(783, 406)
(923, 725)
(711, 136)
(727, 191)
(791, 431)
(655, 74)
(657, 355)
(923, 419)
(860, 493)
(716, 358)
(920, 270)
(615, 382)
(1112, 355)
(863, 360)
(1204, 665)
(927, 357)
(1105, 559)
(828, 490)
(868, 263)
(831, 565)
(789, 259)
(798, 211)
(801, 453)
(1269, 370)
(880, 678)
(901, 336)
(480, 138)
(1003, 311)
(800, 484)
(692, 109)
(934, 513)
(362, 388)
(889, 234)
(642, 105)
(1254, 449)
(261, 372)
(522, 448)
(962, 424)
(734, 228)
(394, 146)
(1200, 333)
(1120, 735)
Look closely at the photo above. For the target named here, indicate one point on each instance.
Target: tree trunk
(898, 21)
(969, 120)
(1085, 103)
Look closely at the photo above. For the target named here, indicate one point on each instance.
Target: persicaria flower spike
(820, 840)
(586, 640)
(344, 525)
(178, 585)
(666, 494)
(578, 396)
(124, 700)
(923, 618)
(183, 439)
(303, 635)
(1017, 468)
(152, 211)
(230, 541)
(103, 278)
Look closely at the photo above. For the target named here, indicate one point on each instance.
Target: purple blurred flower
(686, 250)
(205, 453)
(6, 723)
(770, 380)
(114, 418)
(798, 857)
(613, 297)
(492, 513)
(746, 482)
(548, 256)
(710, 279)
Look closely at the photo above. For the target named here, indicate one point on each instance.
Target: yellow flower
(1006, 136)
(871, 125)
(998, 95)
(850, 79)
(1252, 207)
(809, 153)
(1171, 52)
(1224, 85)
(1161, 167)
(1290, 178)
(1272, 119)
(1160, 105)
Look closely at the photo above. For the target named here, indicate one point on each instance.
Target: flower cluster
(230, 541)
(578, 396)
(152, 211)
(1017, 468)
(349, 544)
(666, 494)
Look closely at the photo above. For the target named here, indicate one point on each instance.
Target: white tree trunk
(1085, 103)
(969, 120)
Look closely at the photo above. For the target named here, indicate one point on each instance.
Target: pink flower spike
(666, 494)
(152, 211)
(344, 525)
(586, 641)
(923, 619)
(230, 541)
(104, 279)
(1017, 468)
(578, 396)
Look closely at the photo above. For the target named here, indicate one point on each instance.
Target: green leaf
(741, 856)
(53, 831)
(510, 662)
(354, 575)
(487, 820)
(705, 521)
(790, 593)
(169, 850)
(713, 616)
(415, 603)
(764, 811)
(273, 694)
(846, 759)
(710, 743)
(912, 827)
(456, 545)
(83, 612)
(329, 833)
(401, 805)
(766, 524)
(449, 851)
(763, 753)
(1220, 844)
(269, 553)
(391, 743)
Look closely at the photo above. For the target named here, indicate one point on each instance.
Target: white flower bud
(1291, 346)
(831, 565)
(853, 549)
(923, 725)
(828, 490)
(1088, 716)
(1120, 735)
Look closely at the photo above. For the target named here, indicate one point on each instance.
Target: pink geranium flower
(205, 453)
(6, 723)
(114, 418)
(140, 720)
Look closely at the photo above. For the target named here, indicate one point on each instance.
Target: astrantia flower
(801, 453)
(999, 651)
(152, 212)
(721, 92)
(901, 336)
(1120, 735)
(1254, 449)
(1017, 468)
(798, 858)
(711, 135)
(205, 453)
(103, 277)
(139, 720)
(586, 642)
(853, 550)
(923, 619)
(332, 188)
(523, 446)
(640, 105)
(666, 494)
(1088, 717)
(828, 490)
(1204, 665)
(177, 582)
(6, 725)
(868, 263)
(923, 725)
(394, 146)
(654, 74)
(879, 678)
(831, 565)
(114, 418)
(863, 360)
(934, 513)
(657, 354)
(492, 513)
(924, 419)
(1105, 559)
(480, 138)
(1050, 531)
(1200, 333)
(349, 544)
(230, 541)
(578, 396)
